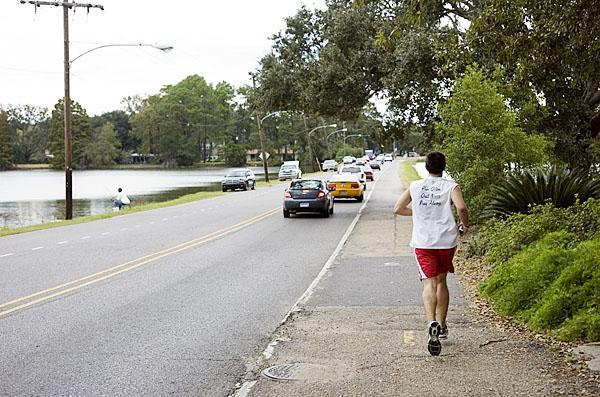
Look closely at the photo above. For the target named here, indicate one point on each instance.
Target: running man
(434, 238)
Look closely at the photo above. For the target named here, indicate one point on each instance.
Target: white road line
(37, 248)
(175, 216)
(165, 219)
(123, 229)
(5, 255)
(62, 242)
(85, 237)
(105, 233)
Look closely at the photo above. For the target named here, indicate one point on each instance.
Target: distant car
(413, 154)
(355, 170)
(307, 195)
(374, 164)
(380, 158)
(349, 160)
(388, 157)
(241, 178)
(368, 172)
(345, 186)
(330, 165)
(361, 161)
(290, 170)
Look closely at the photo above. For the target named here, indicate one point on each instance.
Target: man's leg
(430, 300)
(442, 299)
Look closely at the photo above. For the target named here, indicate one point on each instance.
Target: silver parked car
(330, 165)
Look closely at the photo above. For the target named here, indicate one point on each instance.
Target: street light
(261, 136)
(350, 136)
(335, 132)
(163, 48)
(310, 151)
(67, 111)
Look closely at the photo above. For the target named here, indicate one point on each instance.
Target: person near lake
(434, 239)
(121, 199)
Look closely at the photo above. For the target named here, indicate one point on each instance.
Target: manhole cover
(296, 371)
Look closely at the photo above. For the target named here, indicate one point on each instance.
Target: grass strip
(188, 198)
(407, 172)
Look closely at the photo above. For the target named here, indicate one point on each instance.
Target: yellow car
(345, 186)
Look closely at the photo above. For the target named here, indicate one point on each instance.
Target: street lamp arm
(273, 114)
(165, 48)
(321, 126)
(350, 136)
(335, 132)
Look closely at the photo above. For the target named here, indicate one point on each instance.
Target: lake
(29, 197)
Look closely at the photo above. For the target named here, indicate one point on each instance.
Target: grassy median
(89, 218)
(407, 172)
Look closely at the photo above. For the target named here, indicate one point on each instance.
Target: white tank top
(433, 221)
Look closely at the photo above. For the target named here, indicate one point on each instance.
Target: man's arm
(461, 207)
(401, 207)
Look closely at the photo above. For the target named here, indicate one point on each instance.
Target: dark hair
(119, 190)
(435, 163)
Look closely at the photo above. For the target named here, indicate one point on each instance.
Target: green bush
(500, 240)
(522, 190)
(551, 286)
(574, 297)
(516, 285)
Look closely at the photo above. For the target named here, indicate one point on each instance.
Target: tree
(81, 135)
(103, 149)
(120, 122)
(6, 150)
(324, 63)
(481, 140)
(235, 155)
(29, 132)
(552, 47)
(184, 121)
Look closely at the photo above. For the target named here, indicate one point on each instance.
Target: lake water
(29, 197)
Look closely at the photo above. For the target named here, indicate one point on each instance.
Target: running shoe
(444, 332)
(433, 342)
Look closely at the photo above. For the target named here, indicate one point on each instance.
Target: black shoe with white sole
(433, 343)
(444, 332)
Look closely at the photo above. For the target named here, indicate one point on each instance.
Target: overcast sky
(217, 39)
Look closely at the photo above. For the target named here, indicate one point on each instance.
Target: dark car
(374, 164)
(241, 178)
(307, 195)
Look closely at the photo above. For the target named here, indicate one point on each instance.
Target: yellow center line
(130, 265)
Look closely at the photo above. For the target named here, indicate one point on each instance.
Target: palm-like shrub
(521, 191)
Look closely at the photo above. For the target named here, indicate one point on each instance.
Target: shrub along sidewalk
(544, 269)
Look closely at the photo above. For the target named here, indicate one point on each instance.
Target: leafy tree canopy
(81, 134)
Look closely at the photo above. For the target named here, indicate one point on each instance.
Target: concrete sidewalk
(362, 333)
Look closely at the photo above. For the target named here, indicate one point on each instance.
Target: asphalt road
(169, 301)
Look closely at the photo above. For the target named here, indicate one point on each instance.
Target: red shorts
(432, 262)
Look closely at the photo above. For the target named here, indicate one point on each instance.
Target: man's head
(119, 190)
(435, 163)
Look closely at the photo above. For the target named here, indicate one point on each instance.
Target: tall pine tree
(6, 149)
(81, 135)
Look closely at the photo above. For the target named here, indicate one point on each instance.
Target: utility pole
(261, 136)
(66, 5)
